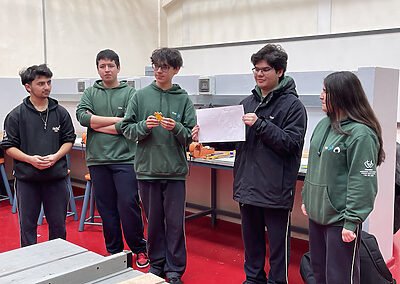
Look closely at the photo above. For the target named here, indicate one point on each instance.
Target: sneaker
(175, 280)
(142, 260)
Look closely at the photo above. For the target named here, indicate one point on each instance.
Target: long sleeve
(130, 127)
(286, 140)
(84, 110)
(362, 180)
(183, 130)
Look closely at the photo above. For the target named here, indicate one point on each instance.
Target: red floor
(214, 255)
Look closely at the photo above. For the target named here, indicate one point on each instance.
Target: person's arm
(98, 122)
(84, 109)
(133, 129)
(86, 116)
(53, 158)
(12, 142)
(107, 130)
(362, 185)
(183, 130)
(290, 138)
(37, 161)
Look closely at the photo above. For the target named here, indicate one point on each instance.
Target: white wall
(199, 22)
(74, 32)
(21, 35)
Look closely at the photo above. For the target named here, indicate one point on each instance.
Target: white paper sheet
(221, 124)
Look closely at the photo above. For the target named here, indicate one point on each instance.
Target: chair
(89, 197)
(9, 195)
(72, 204)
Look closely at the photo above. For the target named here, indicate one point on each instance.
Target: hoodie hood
(286, 86)
(99, 85)
(52, 104)
(174, 90)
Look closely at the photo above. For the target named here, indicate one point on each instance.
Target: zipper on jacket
(267, 99)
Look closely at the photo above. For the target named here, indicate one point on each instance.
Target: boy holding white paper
(267, 164)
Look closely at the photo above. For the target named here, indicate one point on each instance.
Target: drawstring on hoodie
(323, 140)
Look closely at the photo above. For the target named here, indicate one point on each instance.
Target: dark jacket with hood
(24, 128)
(267, 163)
(161, 154)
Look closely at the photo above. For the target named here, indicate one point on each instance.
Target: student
(267, 164)
(37, 135)
(161, 164)
(110, 158)
(341, 183)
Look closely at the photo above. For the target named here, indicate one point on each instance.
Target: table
(61, 262)
(222, 164)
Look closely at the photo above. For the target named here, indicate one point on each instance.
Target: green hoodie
(341, 183)
(161, 154)
(104, 148)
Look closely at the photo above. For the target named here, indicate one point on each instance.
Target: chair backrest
(84, 138)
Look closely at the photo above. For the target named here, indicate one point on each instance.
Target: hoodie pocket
(318, 204)
(161, 160)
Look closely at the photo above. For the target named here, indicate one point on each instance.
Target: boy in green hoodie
(110, 158)
(160, 118)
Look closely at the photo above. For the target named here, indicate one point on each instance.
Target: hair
(29, 74)
(107, 54)
(274, 55)
(345, 96)
(171, 56)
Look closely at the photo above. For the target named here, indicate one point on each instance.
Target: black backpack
(373, 269)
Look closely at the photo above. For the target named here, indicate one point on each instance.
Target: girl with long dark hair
(341, 182)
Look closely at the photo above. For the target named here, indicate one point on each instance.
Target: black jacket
(267, 163)
(24, 129)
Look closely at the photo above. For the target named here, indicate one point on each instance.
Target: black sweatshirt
(24, 128)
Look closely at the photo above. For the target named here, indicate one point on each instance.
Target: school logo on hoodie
(369, 170)
(56, 129)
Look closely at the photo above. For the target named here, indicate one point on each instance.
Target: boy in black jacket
(267, 164)
(37, 135)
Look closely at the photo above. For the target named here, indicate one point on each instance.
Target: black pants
(334, 261)
(164, 204)
(117, 200)
(54, 196)
(254, 221)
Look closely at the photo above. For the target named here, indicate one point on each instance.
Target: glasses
(164, 67)
(263, 70)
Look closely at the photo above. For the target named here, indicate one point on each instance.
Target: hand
(168, 123)
(195, 133)
(52, 159)
(39, 162)
(348, 236)
(152, 122)
(303, 209)
(249, 118)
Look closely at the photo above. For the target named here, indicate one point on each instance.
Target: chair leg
(85, 205)
(72, 199)
(6, 184)
(14, 206)
(41, 216)
(92, 206)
